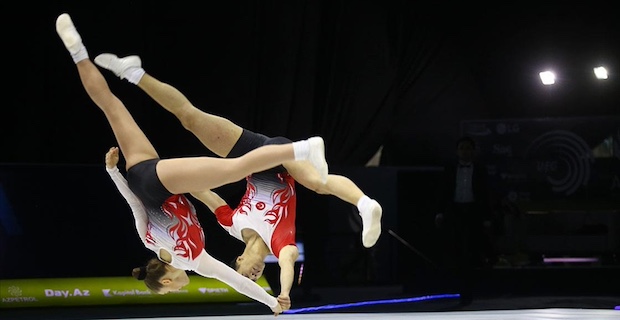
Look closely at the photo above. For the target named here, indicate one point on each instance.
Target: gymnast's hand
(277, 309)
(111, 158)
(285, 302)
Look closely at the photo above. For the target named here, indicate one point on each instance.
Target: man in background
(465, 222)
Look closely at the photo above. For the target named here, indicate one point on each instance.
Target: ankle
(134, 75)
(301, 149)
(80, 54)
(363, 203)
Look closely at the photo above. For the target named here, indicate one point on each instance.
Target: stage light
(547, 77)
(600, 73)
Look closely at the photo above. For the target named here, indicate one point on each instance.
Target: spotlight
(547, 77)
(600, 73)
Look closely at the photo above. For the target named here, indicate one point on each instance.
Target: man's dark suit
(463, 223)
(462, 231)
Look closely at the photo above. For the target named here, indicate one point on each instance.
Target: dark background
(365, 75)
(360, 73)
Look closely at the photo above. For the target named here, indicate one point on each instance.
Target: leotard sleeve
(224, 215)
(212, 268)
(137, 208)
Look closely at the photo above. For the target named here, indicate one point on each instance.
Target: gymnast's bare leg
(219, 135)
(180, 175)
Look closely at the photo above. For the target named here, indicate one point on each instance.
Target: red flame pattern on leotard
(188, 234)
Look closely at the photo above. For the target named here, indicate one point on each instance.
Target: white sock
(134, 75)
(363, 202)
(80, 54)
(301, 149)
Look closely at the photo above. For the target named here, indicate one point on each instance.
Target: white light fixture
(547, 77)
(600, 73)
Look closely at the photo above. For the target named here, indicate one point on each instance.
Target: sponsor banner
(111, 291)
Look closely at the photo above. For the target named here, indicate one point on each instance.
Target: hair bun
(142, 274)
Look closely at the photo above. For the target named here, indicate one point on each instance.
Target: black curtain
(362, 74)
(355, 72)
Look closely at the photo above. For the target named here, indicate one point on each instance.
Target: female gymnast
(166, 221)
(265, 218)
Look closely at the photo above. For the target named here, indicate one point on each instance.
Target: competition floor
(517, 314)
(533, 314)
(345, 306)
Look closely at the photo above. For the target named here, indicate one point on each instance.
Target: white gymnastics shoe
(316, 156)
(371, 223)
(68, 34)
(119, 66)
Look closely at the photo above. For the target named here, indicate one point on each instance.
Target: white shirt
(463, 192)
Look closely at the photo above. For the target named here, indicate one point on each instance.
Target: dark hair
(151, 273)
(466, 139)
(141, 273)
(233, 264)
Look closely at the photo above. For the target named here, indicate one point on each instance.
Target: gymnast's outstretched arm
(137, 208)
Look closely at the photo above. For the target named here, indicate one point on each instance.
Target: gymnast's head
(160, 277)
(249, 266)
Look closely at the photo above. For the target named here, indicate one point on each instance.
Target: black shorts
(250, 140)
(145, 184)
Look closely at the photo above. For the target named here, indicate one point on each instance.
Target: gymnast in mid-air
(154, 188)
(265, 217)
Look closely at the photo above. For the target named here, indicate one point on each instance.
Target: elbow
(288, 256)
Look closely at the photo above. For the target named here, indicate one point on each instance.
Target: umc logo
(563, 158)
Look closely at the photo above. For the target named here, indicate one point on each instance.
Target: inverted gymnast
(265, 217)
(165, 220)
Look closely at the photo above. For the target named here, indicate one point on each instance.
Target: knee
(187, 118)
(315, 184)
(187, 121)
